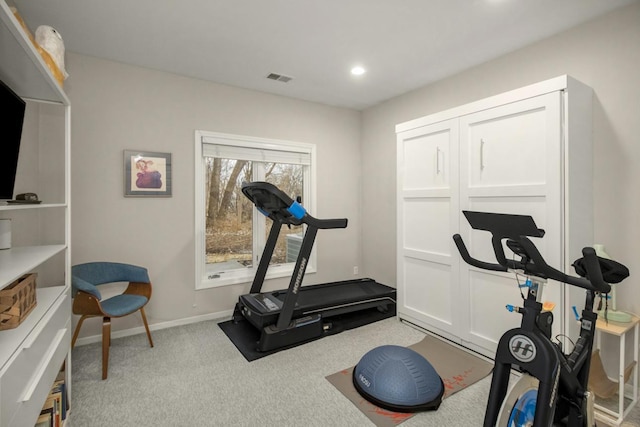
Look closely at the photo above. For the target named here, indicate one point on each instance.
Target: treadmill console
(273, 202)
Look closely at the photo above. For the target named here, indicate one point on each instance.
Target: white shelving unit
(32, 354)
(16, 261)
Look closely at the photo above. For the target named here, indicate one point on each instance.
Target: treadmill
(294, 315)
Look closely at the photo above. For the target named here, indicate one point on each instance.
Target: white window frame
(205, 280)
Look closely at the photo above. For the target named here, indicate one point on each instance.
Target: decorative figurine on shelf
(611, 312)
(51, 41)
(26, 199)
(57, 70)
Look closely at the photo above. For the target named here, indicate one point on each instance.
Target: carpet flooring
(195, 376)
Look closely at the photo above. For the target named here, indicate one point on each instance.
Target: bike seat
(612, 271)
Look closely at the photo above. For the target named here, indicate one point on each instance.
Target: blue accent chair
(88, 302)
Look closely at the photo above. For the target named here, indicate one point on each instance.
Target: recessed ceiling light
(358, 71)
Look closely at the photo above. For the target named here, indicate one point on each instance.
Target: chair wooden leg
(106, 342)
(146, 325)
(75, 334)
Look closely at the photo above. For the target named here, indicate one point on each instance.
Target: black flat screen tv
(12, 109)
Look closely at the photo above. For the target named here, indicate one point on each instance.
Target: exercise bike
(553, 387)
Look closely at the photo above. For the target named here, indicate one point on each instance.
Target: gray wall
(603, 54)
(117, 107)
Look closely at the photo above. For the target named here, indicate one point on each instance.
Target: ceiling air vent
(279, 77)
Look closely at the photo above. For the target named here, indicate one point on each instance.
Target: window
(230, 232)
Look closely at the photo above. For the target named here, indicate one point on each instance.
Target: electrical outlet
(355, 270)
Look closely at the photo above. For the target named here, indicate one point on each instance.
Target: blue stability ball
(399, 379)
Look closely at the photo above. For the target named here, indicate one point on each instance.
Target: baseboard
(157, 326)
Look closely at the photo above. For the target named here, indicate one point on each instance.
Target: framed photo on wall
(147, 174)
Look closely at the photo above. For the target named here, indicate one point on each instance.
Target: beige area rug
(457, 368)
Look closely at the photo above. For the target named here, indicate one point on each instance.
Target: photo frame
(147, 174)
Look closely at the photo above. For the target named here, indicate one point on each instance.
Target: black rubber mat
(244, 336)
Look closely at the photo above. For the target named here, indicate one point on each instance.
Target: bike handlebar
(537, 266)
(473, 261)
(593, 281)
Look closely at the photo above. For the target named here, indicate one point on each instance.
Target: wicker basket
(16, 301)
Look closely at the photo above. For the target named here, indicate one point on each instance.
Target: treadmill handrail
(325, 224)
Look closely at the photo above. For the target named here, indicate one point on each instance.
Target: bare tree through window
(229, 214)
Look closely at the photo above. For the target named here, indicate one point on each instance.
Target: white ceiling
(404, 44)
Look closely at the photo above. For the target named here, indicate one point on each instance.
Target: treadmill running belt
(330, 294)
(337, 293)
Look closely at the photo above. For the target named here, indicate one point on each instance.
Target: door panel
(427, 218)
(426, 157)
(430, 224)
(489, 295)
(429, 293)
(509, 145)
(512, 156)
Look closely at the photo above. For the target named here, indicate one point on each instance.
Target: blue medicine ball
(399, 379)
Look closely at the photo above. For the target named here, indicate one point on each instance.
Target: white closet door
(427, 218)
(511, 162)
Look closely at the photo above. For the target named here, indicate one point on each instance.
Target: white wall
(603, 54)
(117, 107)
